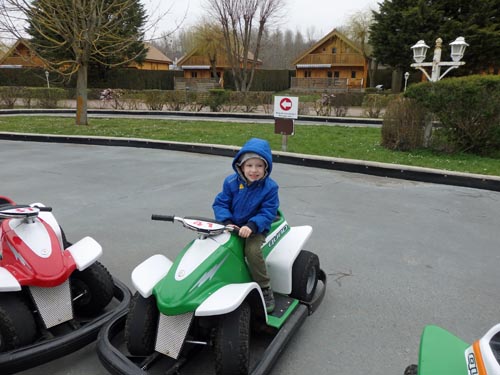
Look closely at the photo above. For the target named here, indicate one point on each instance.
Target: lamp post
(47, 78)
(407, 75)
(457, 52)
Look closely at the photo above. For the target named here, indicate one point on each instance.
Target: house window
(307, 74)
(353, 74)
(194, 74)
(329, 74)
(334, 50)
(336, 74)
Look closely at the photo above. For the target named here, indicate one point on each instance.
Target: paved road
(399, 254)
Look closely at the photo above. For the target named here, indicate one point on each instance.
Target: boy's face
(254, 169)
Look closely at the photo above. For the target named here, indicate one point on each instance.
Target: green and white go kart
(206, 298)
(442, 353)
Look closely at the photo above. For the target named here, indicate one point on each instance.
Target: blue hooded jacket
(255, 205)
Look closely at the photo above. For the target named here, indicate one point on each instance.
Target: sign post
(286, 109)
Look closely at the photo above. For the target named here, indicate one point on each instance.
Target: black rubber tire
(232, 342)
(17, 324)
(141, 325)
(65, 242)
(97, 287)
(411, 370)
(305, 273)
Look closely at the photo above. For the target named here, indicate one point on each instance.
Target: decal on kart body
(273, 238)
(475, 365)
(209, 275)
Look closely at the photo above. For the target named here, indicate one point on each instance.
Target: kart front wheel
(411, 370)
(141, 325)
(232, 342)
(92, 289)
(17, 324)
(305, 273)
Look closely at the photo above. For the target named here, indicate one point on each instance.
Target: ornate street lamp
(457, 52)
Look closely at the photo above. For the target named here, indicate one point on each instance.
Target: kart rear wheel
(92, 289)
(17, 324)
(141, 325)
(305, 273)
(232, 342)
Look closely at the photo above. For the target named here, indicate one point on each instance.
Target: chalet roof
(5, 54)
(323, 40)
(194, 51)
(154, 54)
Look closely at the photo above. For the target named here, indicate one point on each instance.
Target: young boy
(249, 200)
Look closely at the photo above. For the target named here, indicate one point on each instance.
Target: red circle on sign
(286, 104)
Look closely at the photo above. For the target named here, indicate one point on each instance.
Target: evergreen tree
(401, 23)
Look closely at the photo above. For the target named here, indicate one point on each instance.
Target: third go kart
(54, 295)
(442, 353)
(206, 298)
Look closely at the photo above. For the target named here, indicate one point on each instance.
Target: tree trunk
(81, 96)
(397, 78)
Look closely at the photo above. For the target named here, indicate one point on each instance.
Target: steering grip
(163, 217)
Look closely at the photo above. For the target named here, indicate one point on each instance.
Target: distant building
(198, 70)
(20, 56)
(334, 63)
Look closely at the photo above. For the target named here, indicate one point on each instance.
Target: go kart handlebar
(21, 210)
(163, 217)
(207, 227)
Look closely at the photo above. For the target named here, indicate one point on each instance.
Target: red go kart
(54, 295)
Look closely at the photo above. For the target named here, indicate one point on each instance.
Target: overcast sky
(322, 15)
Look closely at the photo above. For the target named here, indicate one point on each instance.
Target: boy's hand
(245, 232)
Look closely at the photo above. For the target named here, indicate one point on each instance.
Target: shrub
(373, 104)
(9, 95)
(154, 99)
(216, 99)
(467, 108)
(46, 97)
(404, 124)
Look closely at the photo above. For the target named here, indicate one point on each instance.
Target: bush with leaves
(216, 99)
(404, 124)
(467, 108)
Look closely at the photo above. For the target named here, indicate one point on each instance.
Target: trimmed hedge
(467, 109)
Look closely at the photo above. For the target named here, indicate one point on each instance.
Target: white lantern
(458, 48)
(419, 51)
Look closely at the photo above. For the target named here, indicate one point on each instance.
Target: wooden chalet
(198, 72)
(335, 63)
(20, 56)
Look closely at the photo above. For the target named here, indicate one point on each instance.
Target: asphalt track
(399, 254)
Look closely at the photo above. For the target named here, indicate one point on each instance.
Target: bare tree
(87, 30)
(358, 30)
(243, 24)
(209, 41)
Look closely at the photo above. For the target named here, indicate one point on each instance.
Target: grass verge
(337, 141)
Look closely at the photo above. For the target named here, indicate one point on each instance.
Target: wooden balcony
(346, 59)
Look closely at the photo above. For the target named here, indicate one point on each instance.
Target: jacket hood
(257, 146)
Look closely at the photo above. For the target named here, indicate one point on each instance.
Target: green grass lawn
(344, 142)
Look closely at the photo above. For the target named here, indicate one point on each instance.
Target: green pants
(255, 260)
